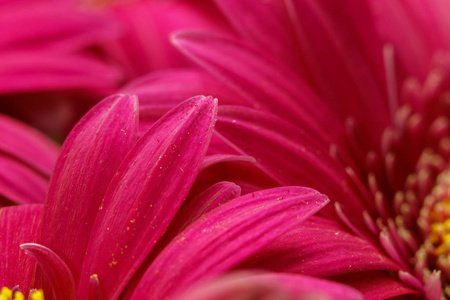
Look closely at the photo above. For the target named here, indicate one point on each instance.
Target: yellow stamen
(37, 295)
(5, 294)
(18, 296)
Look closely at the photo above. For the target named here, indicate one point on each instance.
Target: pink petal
(23, 71)
(376, 285)
(19, 183)
(89, 159)
(416, 29)
(145, 45)
(146, 192)
(266, 24)
(245, 174)
(343, 54)
(193, 209)
(171, 87)
(220, 158)
(56, 271)
(240, 285)
(433, 286)
(53, 26)
(18, 225)
(295, 158)
(320, 248)
(27, 145)
(227, 235)
(262, 82)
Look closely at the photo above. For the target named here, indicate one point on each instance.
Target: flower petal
(54, 26)
(376, 285)
(227, 235)
(89, 159)
(262, 82)
(56, 271)
(241, 285)
(146, 192)
(344, 56)
(20, 184)
(193, 209)
(267, 25)
(295, 158)
(22, 71)
(320, 248)
(18, 225)
(27, 145)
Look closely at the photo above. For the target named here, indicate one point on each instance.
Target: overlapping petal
(318, 247)
(18, 225)
(88, 161)
(250, 285)
(224, 237)
(146, 192)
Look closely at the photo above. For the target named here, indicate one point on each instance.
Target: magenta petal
(171, 87)
(318, 247)
(89, 159)
(54, 26)
(220, 158)
(267, 25)
(294, 158)
(242, 285)
(56, 271)
(22, 71)
(211, 198)
(19, 183)
(18, 225)
(376, 285)
(261, 82)
(343, 54)
(146, 192)
(27, 145)
(224, 237)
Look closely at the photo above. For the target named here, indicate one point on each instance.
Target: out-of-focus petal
(145, 44)
(267, 25)
(146, 193)
(320, 248)
(20, 184)
(262, 82)
(376, 285)
(27, 145)
(89, 159)
(247, 285)
(344, 56)
(54, 26)
(22, 71)
(224, 237)
(56, 271)
(171, 87)
(18, 225)
(416, 29)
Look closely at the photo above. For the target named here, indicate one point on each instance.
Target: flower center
(16, 294)
(437, 235)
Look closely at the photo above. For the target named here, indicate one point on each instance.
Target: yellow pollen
(37, 295)
(18, 296)
(440, 227)
(7, 294)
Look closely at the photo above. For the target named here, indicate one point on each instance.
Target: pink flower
(50, 73)
(144, 44)
(120, 218)
(317, 101)
(27, 158)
